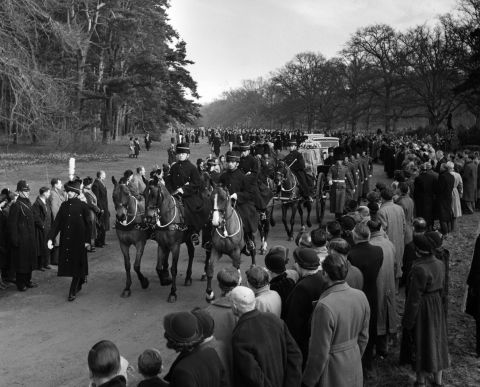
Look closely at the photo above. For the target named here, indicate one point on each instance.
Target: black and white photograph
(240, 193)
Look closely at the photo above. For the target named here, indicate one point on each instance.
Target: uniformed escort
(184, 180)
(296, 163)
(248, 163)
(330, 160)
(243, 193)
(338, 177)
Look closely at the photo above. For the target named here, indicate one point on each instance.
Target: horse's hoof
(209, 297)
(188, 282)
(172, 298)
(126, 293)
(166, 281)
(203, 278)
(145, 283)
(309, 224)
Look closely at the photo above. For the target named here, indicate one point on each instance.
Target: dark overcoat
(72, 222)
(183, 174)
(445, 184)
(469, 177)
(100, 191)
(43, 216)
(199, 368)
(21, 227)
(473, 282)
(236, 182)
(264, 352)
(424, 195)
(299, 308)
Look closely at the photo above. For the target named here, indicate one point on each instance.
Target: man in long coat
(72, 222)
(339, 332)
(392, 217)
(21, 227)
(445, 184)
(424, 193)
(103, 220)
(387, 313)
(469, 185)
(57, 197)
(43, 222)
(368, 259)
(184, 179)
(406, 202)
(264, 352)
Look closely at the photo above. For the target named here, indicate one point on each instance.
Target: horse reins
(225, 232)
(159, 224)
(134, 215)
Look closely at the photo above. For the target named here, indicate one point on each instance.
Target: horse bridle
(223, 222)
(125, 206)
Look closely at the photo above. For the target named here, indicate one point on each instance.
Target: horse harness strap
(225, 232)
(134, 215)
(174, 216)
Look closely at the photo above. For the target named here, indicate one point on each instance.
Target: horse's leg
(208, 253)
(308, 205)
(172, 297)
(191, 253)
(214, 256)
(126, 260)
(300, 212)
(284, 219)
(162, 265)
(140, 247)
(292, 219)
(262, 226)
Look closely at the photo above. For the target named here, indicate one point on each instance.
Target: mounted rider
(243, 191)
(184, 181)
(296, 163)
(248, 163)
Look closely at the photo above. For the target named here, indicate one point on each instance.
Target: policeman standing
(338, 177)
(184, 179)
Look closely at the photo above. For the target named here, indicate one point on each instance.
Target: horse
(165, 213)
(289, 194)
(128, 220)
(228, 236)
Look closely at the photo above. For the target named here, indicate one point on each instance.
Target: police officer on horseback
(296, 163)
(248, 164)
(184, 182)
(243, 193)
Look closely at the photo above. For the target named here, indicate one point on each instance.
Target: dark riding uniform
(184, 175)
(296, 163)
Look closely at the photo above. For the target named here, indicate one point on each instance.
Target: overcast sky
(233, 40)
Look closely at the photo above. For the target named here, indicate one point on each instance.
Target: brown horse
(129, 214)
(227, 236)
(166, 214)
(289, 195)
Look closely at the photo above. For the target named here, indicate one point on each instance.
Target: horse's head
(122, 199)
(154, 198)
(221, 202)
(280, 172)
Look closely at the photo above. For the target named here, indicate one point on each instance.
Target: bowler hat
(435, 238)
(423, 244)
(181, 327)
(183, 147)
(22, 186)
(205, 322)
(276, 259)
(306, 258)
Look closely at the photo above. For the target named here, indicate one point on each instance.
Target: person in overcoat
(339, 332)
(369, 260)
(264, 352)
(299, 305)
(469, 177)
(387, 300)
(424, 193)
(43, 222)
(194, 366)
(57, 197)
(473, 294)
(184, 179)
(444, 194)
(457, 194)
(103, 219)
(406, 202)
(424, 340)
(21, 227)
(392, 217)
(72, 222)
(94, 210)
